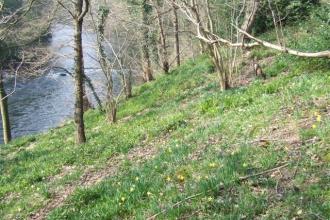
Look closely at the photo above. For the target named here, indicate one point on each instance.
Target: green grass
(204, 141)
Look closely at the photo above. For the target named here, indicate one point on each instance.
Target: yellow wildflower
(132, 189)
(319, 118)
(168, 179)
(169, 150)
(137, 178)
(210, 199)
(123, 199)
(180, 178)
(299, 212)
(245, 164)
(149, 194)
(314, 126)
(212, 165)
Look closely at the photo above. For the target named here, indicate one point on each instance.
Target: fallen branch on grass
(199, 194)
(263, 172)
(175, 205)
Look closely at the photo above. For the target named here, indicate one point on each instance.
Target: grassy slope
(203, 140)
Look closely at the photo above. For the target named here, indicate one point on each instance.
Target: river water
(44, 102)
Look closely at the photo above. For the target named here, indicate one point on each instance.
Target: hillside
(182, 149)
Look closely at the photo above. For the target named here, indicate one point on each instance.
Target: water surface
(46, 101)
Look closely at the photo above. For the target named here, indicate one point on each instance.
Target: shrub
(287, 10)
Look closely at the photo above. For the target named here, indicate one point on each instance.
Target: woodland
(165, 109)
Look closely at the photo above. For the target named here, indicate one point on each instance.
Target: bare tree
(213, 38)
(158, 5)
(251, 7)
(147, 69)
(176, 33)
(221, 46)
(111, 105)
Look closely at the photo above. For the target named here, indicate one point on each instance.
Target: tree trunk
(79, 77)
(147, 70)
(127, 82)
(209, 17)
(176, 34)
(195, 9)
(90, 85)
(111, 108)
(166, 66)
(4, 112)
(87, 104)
(250, 17)
(111, 103)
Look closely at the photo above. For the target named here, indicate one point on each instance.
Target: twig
(297, 167)
(317, 216)
(175, 205)
(15, 81)
(263, 172)
(199, 194)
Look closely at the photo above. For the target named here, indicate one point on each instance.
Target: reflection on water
(44, 102)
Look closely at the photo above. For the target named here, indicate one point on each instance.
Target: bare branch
(15, 81)
(66, 8)
(322, 54)
(86, 9)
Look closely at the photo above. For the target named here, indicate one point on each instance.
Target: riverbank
(184, 149)
(41, 101)
(181, 137)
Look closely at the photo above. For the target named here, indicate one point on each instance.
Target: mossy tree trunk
(147, 69)
(4, 112)
(127, 83)
(80, 13)
(111, 103)
(176, 33)
(166, 65)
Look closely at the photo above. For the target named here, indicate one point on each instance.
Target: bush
(288, 10)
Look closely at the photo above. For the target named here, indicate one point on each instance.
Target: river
(46, 101)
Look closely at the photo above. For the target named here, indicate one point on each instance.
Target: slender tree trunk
(86, 103)
(214, 49)
(147, 70)
(90, 85)
(176, 33)
(250, 17)
(79, 77)
(224, 79)
(127, 82)
(111, 104)
(4, 112)
(195, 9)
(166, 66)
(209, 16)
